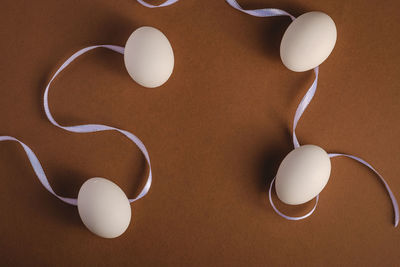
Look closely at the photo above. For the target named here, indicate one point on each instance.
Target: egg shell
(308, 41)
(148, 57)
(302, 175)
(104, 208)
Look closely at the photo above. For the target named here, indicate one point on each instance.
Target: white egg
(104, 208)
(308, 41)
(148, 57)
(302, 175)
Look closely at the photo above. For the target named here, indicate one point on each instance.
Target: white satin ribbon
(299, 112)
(292, 218)
(303, 105)
(89, 128)
(166, 3)
(269, 12)
(391, 195)
(263, 12)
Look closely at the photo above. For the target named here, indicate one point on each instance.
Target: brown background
(216, 132)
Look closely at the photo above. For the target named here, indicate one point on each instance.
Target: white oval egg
(302, 175)
(104, 208)
(148, 57)
(308, 41)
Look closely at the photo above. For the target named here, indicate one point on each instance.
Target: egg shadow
(269, 160)
(57, 210)
(45, 205)
(271, 35)
(66, 183)
(274, 27)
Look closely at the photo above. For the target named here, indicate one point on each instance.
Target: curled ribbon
(88, 128)
(270, 12)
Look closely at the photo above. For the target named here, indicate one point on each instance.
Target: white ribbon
(89, 128)
(166, 3)
(263, 12)
(391, 195)
(269, 12)
(303, 105)
(284, 215)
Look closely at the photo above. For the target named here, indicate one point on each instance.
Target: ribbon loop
(290, 218)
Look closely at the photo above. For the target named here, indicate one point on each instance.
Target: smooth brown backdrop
(216, 133)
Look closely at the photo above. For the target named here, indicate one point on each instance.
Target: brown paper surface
(216, 133)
